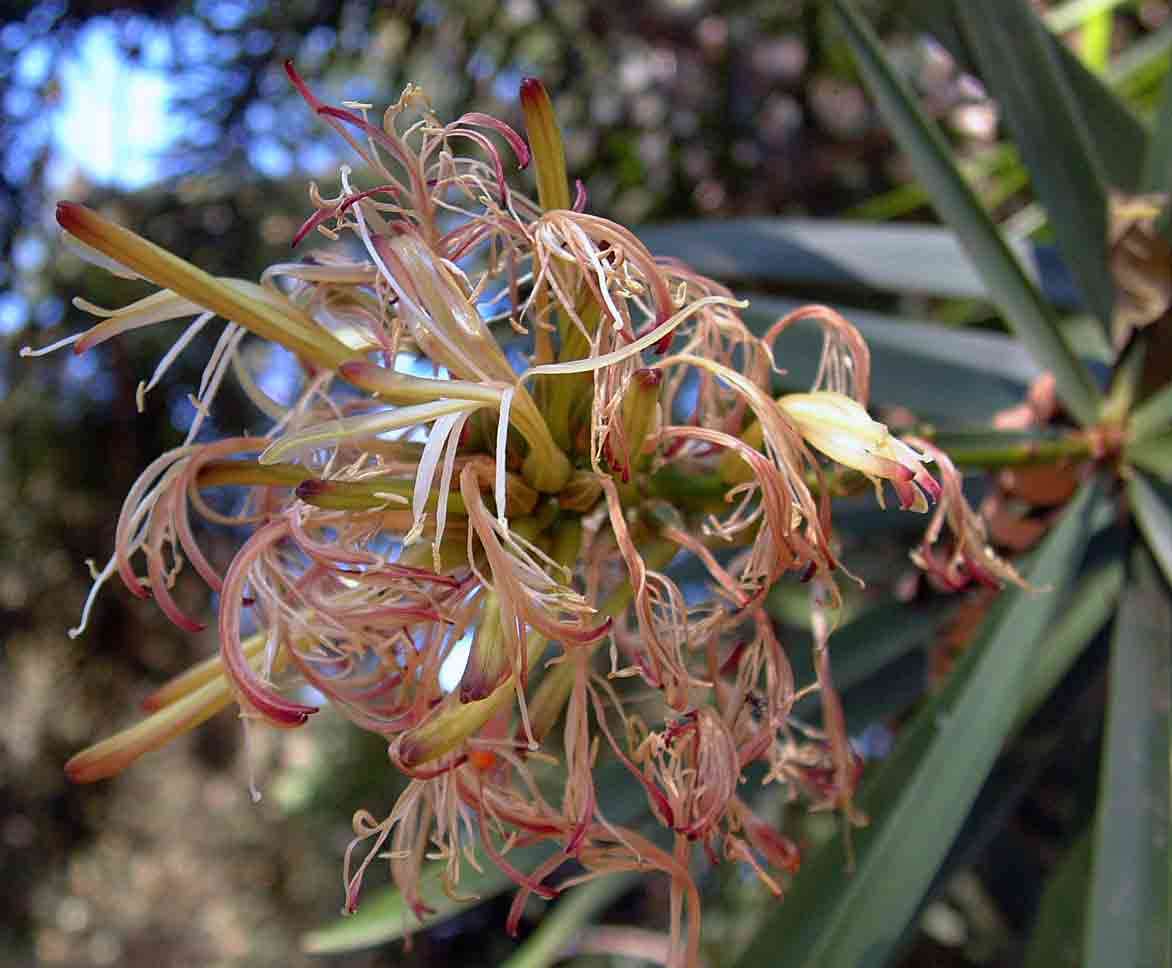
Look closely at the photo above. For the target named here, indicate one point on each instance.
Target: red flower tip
(313, 487)
(532, 89)
(69, 215)
(356, 368)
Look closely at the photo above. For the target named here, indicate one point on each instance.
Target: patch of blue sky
(32, 64)
(13, 313)
(686, 396)
(260, 117)
(49, 311)
(115, 117)
(456, 661)
(29, 253)
(281, 375)
(506, 84)
(518, 356)
(257, 42)
(495, 303)
(179, 407)
(419, 366)
(86, 374)
(481, 64)
(317, 158)
(316, 45)
(270, 158)
(226, 14)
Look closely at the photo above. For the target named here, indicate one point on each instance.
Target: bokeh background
(176, 119)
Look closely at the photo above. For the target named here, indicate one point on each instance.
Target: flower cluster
(512, 418)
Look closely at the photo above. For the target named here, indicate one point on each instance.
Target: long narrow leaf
(1154, 518)
(1154, 455)
(864, 649)
(1056, 941)
(1019, 67)
(1090, 606)
(1025, 312)
(1077, 13)
(848, 254)
(921, 797)
(1117, 134)
(385, 916)
(1154, 415)
(1157, 176)
(1128, 919)
(565, 922)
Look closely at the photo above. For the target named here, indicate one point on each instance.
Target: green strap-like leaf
(385, 915)
(1077, 13)
(1154, 517)
(863, 650)
(1157, 176)
(1154, 415)
(1090, 604)
(844, 254)
(1128, 923)
(1154, 455)
(919, 800)
(559, 928)
(1025, 311)
(1021, 71)
(1117, 135)
(1056, 941)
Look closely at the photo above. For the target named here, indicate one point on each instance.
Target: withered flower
(531, 507)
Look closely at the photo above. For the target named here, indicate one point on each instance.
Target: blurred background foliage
(177, 120)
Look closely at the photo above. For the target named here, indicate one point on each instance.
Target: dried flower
(392, 515)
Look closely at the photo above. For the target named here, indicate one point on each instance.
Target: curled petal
(256, 694)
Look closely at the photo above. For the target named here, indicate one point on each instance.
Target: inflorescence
(577, 415)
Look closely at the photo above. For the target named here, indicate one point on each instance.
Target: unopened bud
(639, 416)
(581, 492)
(545, 141)
(488, 660)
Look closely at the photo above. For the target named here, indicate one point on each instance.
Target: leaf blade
(936, 771)
(1056, 941)
(1019, 67)
(1118, 135)
(1024, 310)
(1154, 518)
(848, 254)
(1128, 920)
(1154, 414)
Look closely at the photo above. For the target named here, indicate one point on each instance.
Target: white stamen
(100, 579)
(425, 473)
(52, 347)
(170, 356)
(502, 441)
(445, 488)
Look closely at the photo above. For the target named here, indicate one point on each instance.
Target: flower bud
(545, 141)
(841, 429)
(581, 492)
(639, 418)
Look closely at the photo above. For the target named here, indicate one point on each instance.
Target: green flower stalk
(522, 504)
